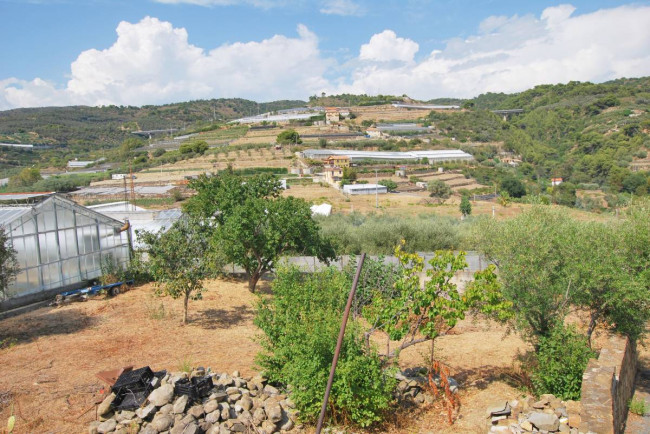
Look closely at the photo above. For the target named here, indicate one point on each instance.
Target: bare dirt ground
(47, 373)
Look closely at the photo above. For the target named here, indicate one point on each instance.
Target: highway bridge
(149, 133)
(506, 113)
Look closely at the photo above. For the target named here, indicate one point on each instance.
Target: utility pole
(376, 190)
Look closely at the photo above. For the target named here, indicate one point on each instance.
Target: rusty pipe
(339, 342)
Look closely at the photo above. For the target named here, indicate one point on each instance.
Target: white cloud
(511, 54)
(153, 62)
(341, 7)
(386, 46)
(257, 3)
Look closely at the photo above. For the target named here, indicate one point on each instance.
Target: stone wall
(607, 386)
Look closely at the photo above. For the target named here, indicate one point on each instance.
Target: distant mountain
(109, 126)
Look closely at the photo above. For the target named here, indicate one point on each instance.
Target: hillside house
(333, 174)
(338, 161)
(556, 181)
(331, 115)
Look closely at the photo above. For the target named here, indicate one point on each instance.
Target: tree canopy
(254, 224)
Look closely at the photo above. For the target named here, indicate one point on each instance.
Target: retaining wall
(607, 386)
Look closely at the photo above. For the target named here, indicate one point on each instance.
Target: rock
(540, 405)
(274, 413)
(575, 420)
(235, 426)
(162, 395)
(181, 404)
(178, 376)
(225, 413)
(148, 430)
(564, 428)
(197, 411)
(246, 403)
(232, 390)
(188, 419)
(219, 396)
(269, 427)
(162, 422)
(92, 428)
(259, 416)
(560, 412)
(166, 409)
(270, 390)
(107, 426)
(286, 424)
(544, 421)
(124, 415)
(144, 412)
(213, 417)
(105, 407)
(496, 419)
(573, 407)
(235, 374)
(234, 397)
(211, 406)
(205, 426)
(246, 417)
(526, 426)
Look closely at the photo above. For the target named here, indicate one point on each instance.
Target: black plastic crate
(138, 377)
(196, 388)
(133, 387)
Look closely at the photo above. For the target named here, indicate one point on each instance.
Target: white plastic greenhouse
(59, 244)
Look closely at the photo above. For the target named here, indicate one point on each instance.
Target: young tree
(530, 252)
(439, 190)
(288, 137)
(465, 206)
(180, 259)
(411, 315)
(513, 186)
(25, 178)
(389, 184)
(8, 264)
(254, 225)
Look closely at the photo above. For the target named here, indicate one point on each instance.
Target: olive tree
(180, 259)
(254, 225)
(439, 190)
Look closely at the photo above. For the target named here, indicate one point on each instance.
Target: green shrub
(300, 324)
(639, 406)
(561, 360)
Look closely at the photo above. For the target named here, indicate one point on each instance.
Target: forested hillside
(97, 126)
(585, 133)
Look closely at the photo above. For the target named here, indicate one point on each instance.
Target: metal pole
(339, 342)
(376, 190)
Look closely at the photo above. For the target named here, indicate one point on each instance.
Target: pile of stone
(413, 386)
(234, 404)
(546, 415)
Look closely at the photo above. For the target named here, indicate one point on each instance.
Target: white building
(365, 189)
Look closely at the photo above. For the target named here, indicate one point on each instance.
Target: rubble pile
(413, 386)
(546, 415)
(232, 404)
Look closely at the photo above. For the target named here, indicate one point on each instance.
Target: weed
(185, 365)
(639, 406)
(7, 343)
(156, 311)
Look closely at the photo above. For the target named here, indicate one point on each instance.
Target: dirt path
(50, 356)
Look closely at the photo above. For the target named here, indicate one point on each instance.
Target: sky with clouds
(136, 52)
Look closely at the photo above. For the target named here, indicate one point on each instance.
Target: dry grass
(49, 374)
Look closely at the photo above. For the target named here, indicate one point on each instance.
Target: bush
(300, 324)
(561, 360)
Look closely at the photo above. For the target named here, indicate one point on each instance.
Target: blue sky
(59, 52)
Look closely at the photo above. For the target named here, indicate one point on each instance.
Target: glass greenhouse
(59, 243)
